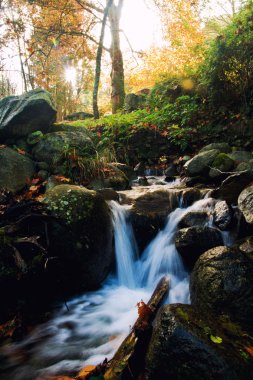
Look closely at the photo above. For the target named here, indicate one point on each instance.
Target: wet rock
(232, 186)
(200, 164)
(194, 218)
(171, 171)
(247, 245)
(109, 194)
(222, 147)
(84, 251)
(221, 282)
(56, 147)
(222, 215)
(24, 114)
(244, 166)
(181, 347)
(129, 172)
(15, 170)
(222, 164)
(192, 242)
(245, 203)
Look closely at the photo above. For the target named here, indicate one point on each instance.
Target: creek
(95, 323)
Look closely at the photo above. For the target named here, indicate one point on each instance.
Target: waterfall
(126, 250)
(97, 322)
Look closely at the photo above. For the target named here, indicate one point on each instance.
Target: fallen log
(128, 361)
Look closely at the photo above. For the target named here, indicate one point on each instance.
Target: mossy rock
(186, 344)
(222, 147)
(85, 250)
(200, 164)
(27, 113)
(222, 164)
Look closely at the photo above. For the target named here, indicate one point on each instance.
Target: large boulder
(22, 115)
(186, 345)
(84, 251)
(15, 170)
(54, 148)
(245, 203)
(222, 147)
(221, 282)
(192, 242)
(232, 186)
(222, 164)
(200, 164)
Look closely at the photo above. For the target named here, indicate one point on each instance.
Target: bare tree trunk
(117, 73)
(98, 60)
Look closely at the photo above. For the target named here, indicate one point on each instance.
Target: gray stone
(15, 170)
(232, 186)
(22, 115)
(222, 215)
(56, 147)
(134, 102)
(241, 156)
(222, 147)
(43, 174)
(245, 203)
(221, 282)
(200, 164)
(192, 242)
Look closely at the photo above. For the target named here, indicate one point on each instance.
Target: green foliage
(227, 74)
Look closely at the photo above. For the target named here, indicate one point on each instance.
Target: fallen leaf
(2, 146)
(249, 349)
(21, 151)
(85, 372)
(216, 339)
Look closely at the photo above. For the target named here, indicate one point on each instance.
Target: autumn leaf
(3, 146)
(83, 374)
(144, 311)
(61, 178)
(21, 151)
(249, 349)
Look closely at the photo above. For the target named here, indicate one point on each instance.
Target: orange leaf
(85, 371)
(35, 181)
(21, 151)
(249, 349)
(62, 178)
(144, 311)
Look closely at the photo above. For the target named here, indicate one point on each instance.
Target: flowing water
(98, 321)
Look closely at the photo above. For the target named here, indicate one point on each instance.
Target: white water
(98, 321)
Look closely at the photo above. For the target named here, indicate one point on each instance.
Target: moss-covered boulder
(222, 147)
(245, 203)
(200, 164)
(222, 164)
(192, 242)
(22, 115)
(58, 147)
(221, 282)
(187, 345)
(84, 252)
(15, 170)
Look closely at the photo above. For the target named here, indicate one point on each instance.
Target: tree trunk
(117, 73)
(128, 361)
(98, 60)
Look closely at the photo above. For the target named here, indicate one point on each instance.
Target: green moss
(72, 203)
(223, 162)
(182, 314)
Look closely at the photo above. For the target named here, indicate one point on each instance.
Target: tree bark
(98, 60)
(117, 73)
(128, 361)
